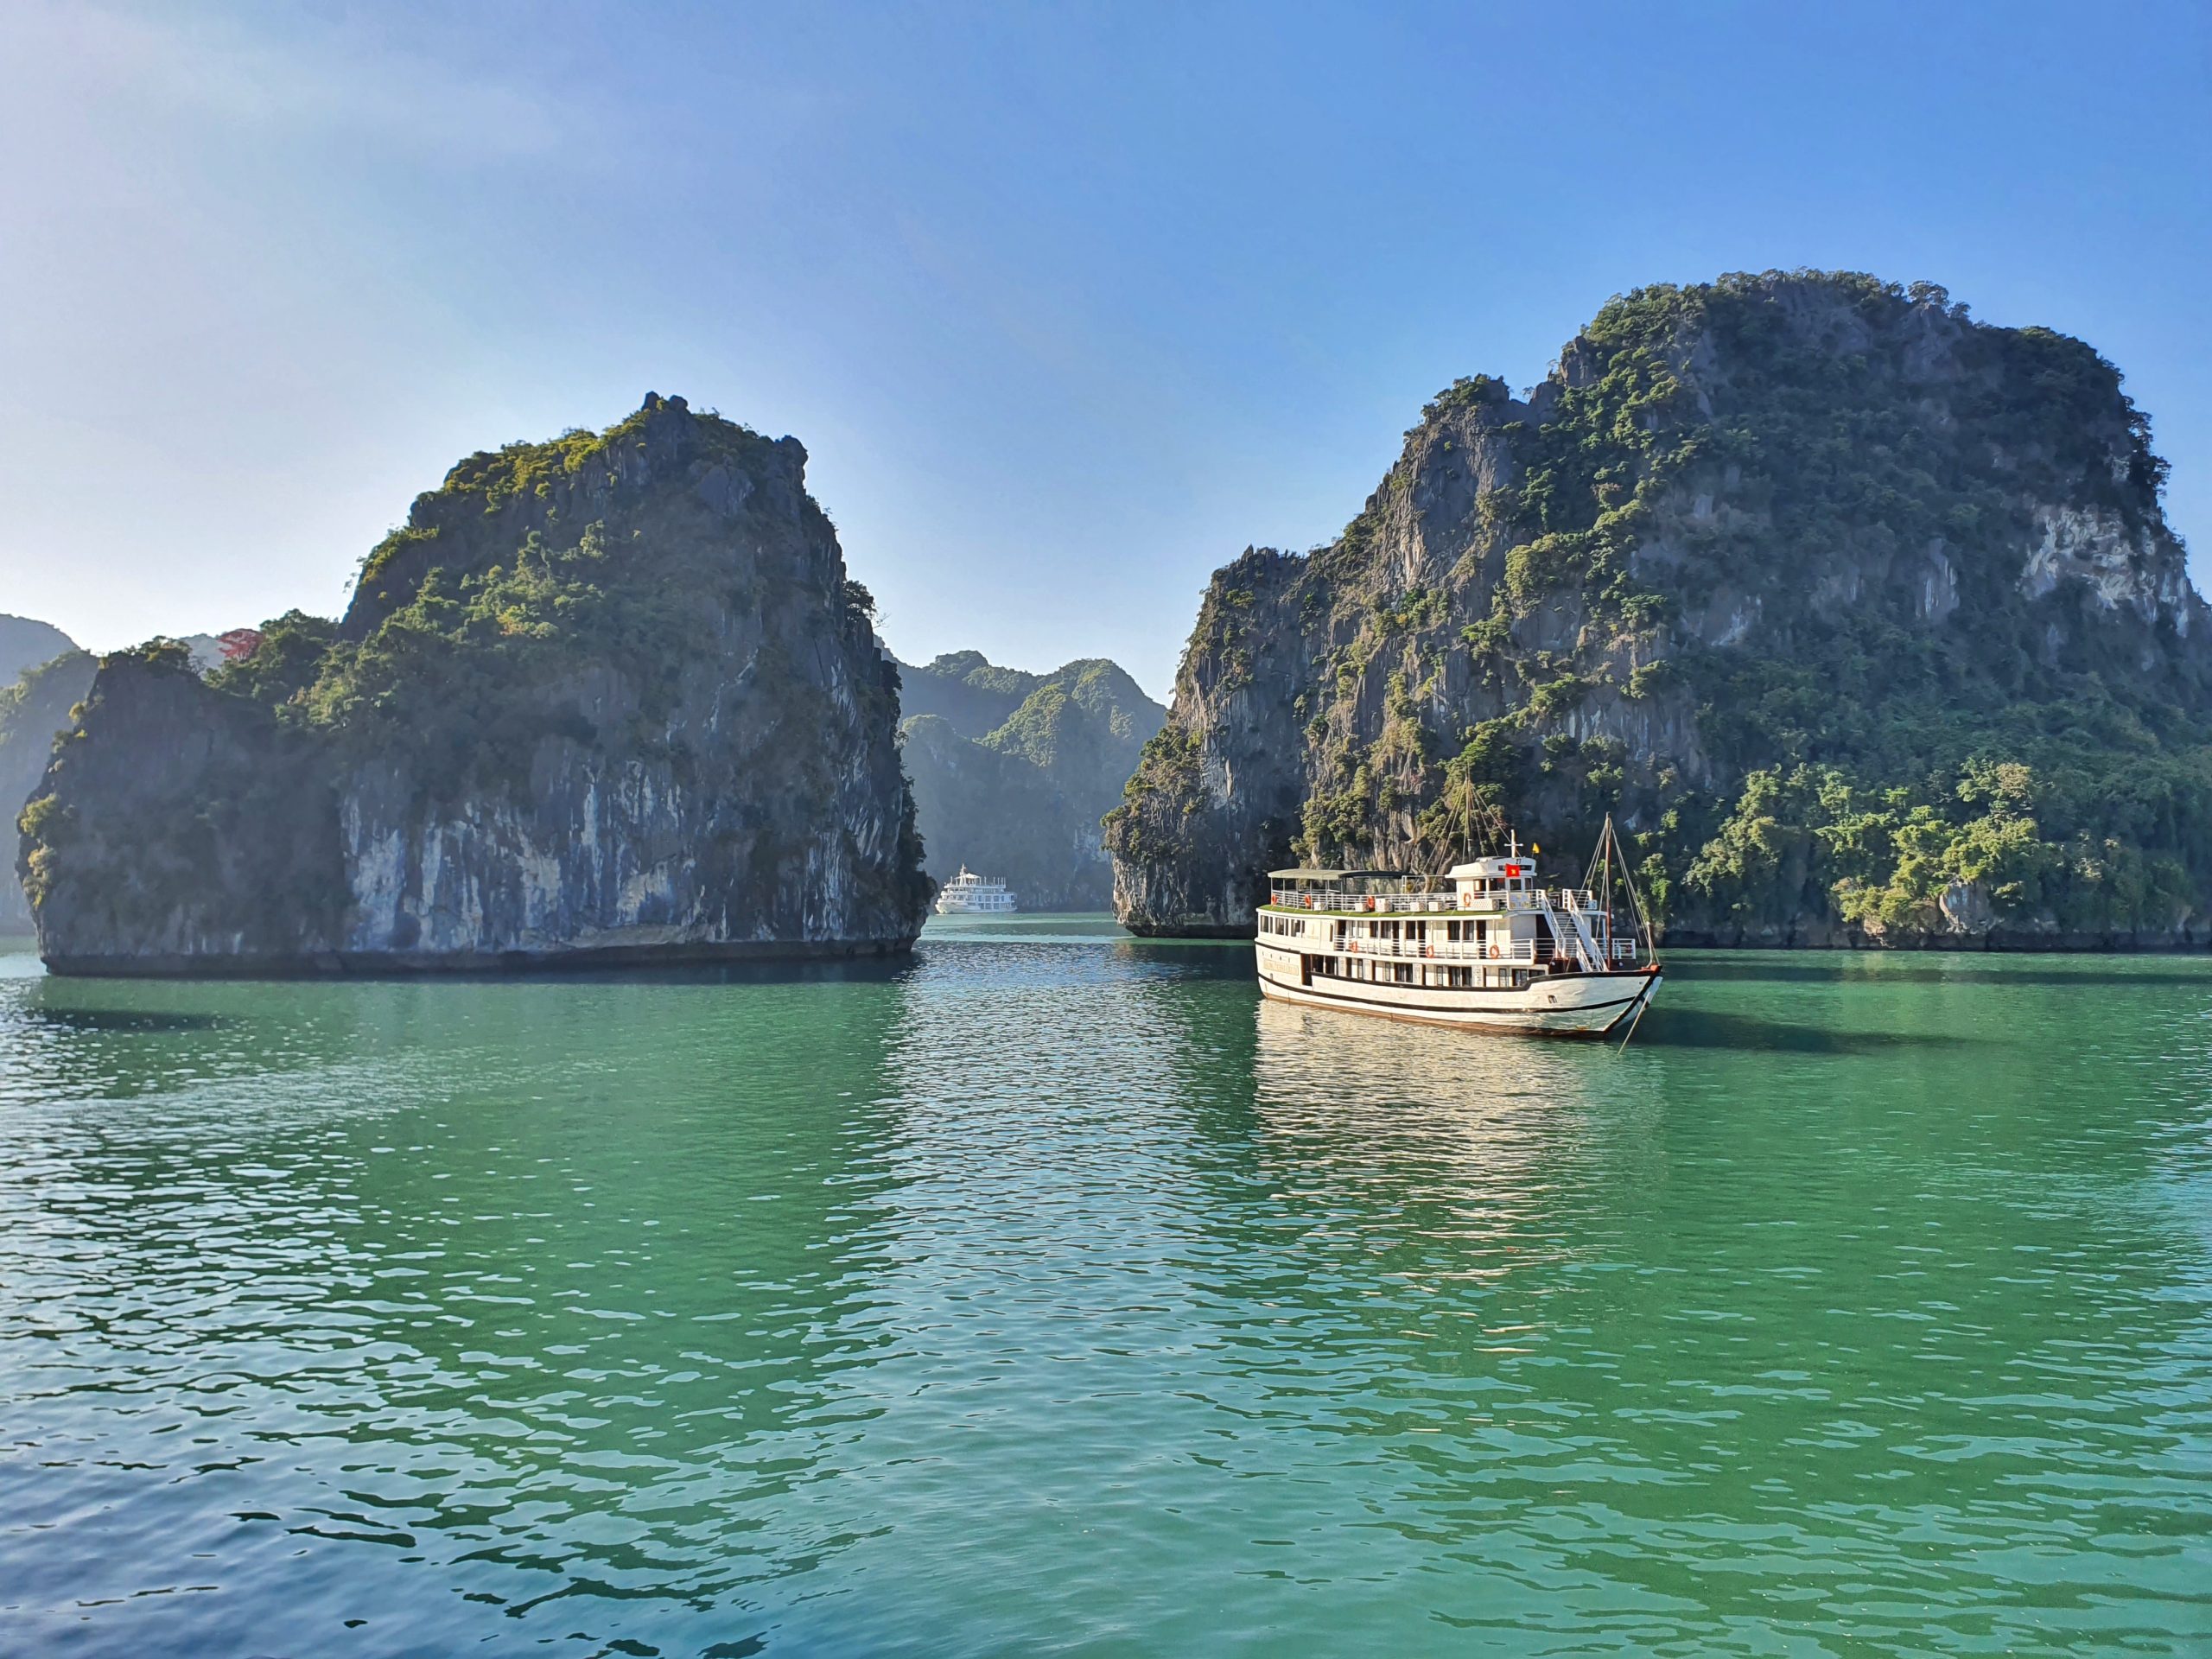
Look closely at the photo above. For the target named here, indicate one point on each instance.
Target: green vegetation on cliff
(466, 618)
(1863, 615)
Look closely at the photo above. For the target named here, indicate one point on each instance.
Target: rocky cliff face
(610, 698)
(1013, 772)
(33, 712)
(1863, 616)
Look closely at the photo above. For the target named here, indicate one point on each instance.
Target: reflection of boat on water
(970, 894)
(1317, 1064)
(1480, 947)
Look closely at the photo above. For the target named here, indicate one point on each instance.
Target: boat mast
(1601, 874)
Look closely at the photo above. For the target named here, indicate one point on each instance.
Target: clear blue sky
(1068, 303)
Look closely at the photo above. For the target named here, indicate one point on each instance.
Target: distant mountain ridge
(33, 712)
(964, 688)
(1012, 771)
(25, 643)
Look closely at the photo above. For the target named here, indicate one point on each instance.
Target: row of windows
(1441, 976)
(1389, 972)
(1467, 932)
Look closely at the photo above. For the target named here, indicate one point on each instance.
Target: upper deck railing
(1499, 951)
(1342, 901)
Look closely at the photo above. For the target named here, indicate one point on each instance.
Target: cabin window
(1402, 972)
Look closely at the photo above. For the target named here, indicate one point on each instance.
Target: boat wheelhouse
(970, 894)
(1483, 946)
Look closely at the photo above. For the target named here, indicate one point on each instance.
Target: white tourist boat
(1482, 947)
(969, 894)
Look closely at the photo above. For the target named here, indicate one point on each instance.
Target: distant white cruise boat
(970, 894)
(1481, 948)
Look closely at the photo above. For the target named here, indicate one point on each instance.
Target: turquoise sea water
(1053, 1294)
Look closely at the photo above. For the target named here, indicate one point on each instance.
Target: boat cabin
(1473, 882)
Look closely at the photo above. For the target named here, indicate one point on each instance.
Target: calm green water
(1054, 1294)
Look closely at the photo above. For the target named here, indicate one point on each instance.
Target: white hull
(1568, 1004)
(969, 907)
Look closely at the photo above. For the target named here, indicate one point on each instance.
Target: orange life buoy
(1493, 953)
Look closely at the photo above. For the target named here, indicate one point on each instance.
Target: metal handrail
(1506, 950)
(1623, 949)
(1338, 901)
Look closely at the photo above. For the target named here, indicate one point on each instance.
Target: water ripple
(1055, 1294)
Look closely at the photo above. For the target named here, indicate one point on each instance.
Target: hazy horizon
(1068, 307)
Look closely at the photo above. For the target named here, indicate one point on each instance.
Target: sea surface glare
(1052, 1294)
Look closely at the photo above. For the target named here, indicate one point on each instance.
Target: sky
(1068, 303)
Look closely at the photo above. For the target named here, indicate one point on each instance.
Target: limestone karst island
(610, 696)
(1861, 616)
(1347, 831)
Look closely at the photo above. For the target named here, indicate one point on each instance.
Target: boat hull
(1568, 1004)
